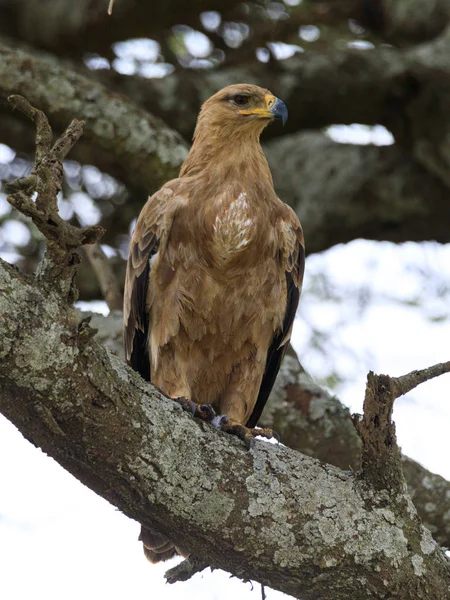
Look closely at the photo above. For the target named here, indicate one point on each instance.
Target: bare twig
(57, 266)
(110, 7)
(105, 276)
(406, 383)
(185, 569)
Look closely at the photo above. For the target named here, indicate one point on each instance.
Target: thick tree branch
(310, 529)
(342, 191)
(139, 143)
(314, 422)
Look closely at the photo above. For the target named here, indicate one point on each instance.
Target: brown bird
(214, 274)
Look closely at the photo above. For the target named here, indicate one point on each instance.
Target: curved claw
(206, 413)
(219, 420)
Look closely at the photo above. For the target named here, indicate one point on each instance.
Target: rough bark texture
(131, 139)
(311, 530)
(343, 191)
(317, 424)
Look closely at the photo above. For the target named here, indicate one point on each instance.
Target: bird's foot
(248, 435)
(205, 412)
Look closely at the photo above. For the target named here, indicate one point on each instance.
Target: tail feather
(157, 547)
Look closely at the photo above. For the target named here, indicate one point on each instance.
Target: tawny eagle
(214, 272)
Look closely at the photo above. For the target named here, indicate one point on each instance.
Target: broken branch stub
(57, 267)
(381, 456)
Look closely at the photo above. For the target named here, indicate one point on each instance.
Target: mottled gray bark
(311, 420)
(128, 138)
(343, 191)
(311, 530)
(317, 424)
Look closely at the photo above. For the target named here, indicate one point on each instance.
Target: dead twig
(63, 239)
(185, 569)
(110, 7)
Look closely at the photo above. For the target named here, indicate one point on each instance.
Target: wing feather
(294, 254)
(144, 245)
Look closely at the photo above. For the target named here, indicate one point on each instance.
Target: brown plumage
(215, 271)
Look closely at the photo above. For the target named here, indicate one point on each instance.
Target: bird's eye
(240, 100)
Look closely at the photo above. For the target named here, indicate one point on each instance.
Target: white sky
(58, 539)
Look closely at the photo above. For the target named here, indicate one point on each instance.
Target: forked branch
(58, 265)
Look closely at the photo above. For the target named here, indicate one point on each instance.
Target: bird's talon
(206, 413)
(219, 420)
(186, 404)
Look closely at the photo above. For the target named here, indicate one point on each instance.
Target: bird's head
(241, 108)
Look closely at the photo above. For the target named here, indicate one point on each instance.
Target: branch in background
(408, 91)
(383, 192)
(405, 21)
(72, 29)
(398, 88)
(105, 276)
(57, 268)
(342, 191)
(139, 147)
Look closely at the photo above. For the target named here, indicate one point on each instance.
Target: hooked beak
(274, 109)
(279, 110)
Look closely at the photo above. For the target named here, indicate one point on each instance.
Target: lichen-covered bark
(131, 139)
(311, 420)
(314, 422)
(270, 514)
